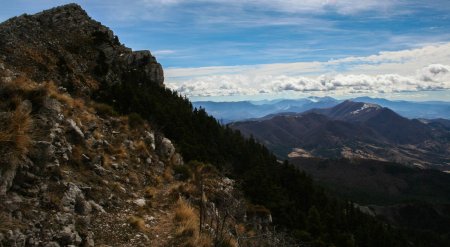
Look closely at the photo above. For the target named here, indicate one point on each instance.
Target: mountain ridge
(352, 129)
(409, 109)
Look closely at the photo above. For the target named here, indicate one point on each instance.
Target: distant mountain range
(354, 130)
(242, 110)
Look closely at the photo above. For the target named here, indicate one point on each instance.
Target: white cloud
(435, 73)
(412, 70)
(292, 6)
(340, 84)
(163, 52)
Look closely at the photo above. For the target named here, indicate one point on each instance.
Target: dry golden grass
(61, 97)
(120, 151)
(91, 83)
(15, 132)
(168, 174)
(78, 103)
(8, 223)
(22, 83)
(137, 222)
(141, 147)
(240, 229)
(106, 161)
(97, 134)
(87, 117)
(186, 219)
(203, 241)
(133, 178)
(229, 242)
(187, 226)
(104, 109)
(150, 192)
(157, 180)
(76, 157)
(184, 189)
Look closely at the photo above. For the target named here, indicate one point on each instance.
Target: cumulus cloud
(413, 70)
(432, 77)
(435, 73)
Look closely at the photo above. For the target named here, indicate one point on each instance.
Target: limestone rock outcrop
(66, 46)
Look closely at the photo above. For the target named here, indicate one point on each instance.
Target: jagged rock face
(77, 167)
(66, 46)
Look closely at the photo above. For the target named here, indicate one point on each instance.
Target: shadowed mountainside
(353, 129)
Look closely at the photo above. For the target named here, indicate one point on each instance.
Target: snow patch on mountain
(367, 106)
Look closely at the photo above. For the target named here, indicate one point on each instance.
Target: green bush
(104, 110)
(135, 120)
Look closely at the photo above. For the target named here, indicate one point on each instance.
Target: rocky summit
(74, 172)
(66, 46)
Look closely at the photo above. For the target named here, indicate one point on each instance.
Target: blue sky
(273, 48)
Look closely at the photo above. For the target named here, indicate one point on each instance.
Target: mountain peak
(69, 9)
(366, 107)
(352, 111)
(57, 16)
(66, 46)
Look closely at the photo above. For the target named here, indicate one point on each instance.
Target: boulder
(166, 148)
(150, 139)
(73, 199)
(140, 202)
(177, 159)
(68, 236)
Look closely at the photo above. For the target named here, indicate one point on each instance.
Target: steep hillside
(84, 160)
(404, 196)
(353, 130)
(74, 172)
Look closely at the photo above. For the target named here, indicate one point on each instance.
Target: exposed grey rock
(82, 206)
(64, 218)
(166, 148)
(42, 152)
(150, 139)
(70, 197)
(68, 236)
(52, 104)
(7, 174)
(89, 240)
(159, 167)
(140, 202)
(51, 244)
(115, 165)
(145, 62)
(100, 170)
(97, 207)
(75, 128)
(177, 159)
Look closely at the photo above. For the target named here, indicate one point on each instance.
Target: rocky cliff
(66, 46)
(73, 172)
